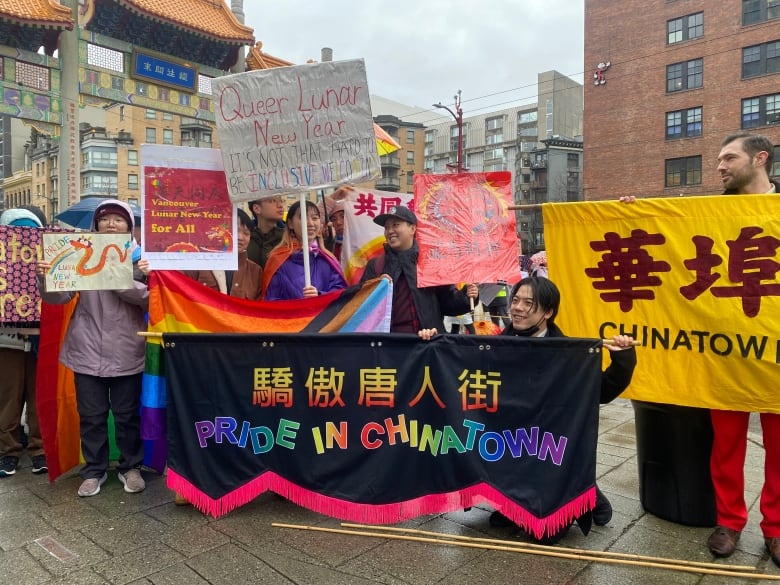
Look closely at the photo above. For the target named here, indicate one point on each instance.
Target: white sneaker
(91, 487)
(132, 481)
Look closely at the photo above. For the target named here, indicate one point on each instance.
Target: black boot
(602, 513)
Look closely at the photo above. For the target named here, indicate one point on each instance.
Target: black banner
(380, 428)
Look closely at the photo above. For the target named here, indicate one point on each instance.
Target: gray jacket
(102, 337)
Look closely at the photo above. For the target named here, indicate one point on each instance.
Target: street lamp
(458, 115)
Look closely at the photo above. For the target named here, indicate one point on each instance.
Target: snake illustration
(85, 244)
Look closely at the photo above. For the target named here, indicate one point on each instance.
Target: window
(141, 88)
(132, 181)
(132, 158)
(495, 153)
(572, 160)
(528, 117)
(105, 57)
(410, 137)
(761, 111)
(685, 28)
(151, 114)
(761, 59)
(685, 75)
(775, 170)
(429, 137)
(151, 135)
(410, 178)
(164, 95)
(754, 11)
(204, 84)
(683, 171)
(494, 123)
(167, 136)
(117, 82)
(683, 123)
(494, 138)
(30, 75)
(184, 99)
(410, 157)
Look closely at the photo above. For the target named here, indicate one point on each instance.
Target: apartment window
(572, 160)
(151, 114)
(132, 181)
(410, 137)
(494, 138)
(761, 111)
(754, 11)
(167, 136)
(428, 151)
(528, 117)
(775, 170)
(494, 123)
(683, 171)
(151, 135)
(683, 123)
(132, 158)
(410, 178)
(685, 75)
(495, 153)
(685, 28)
(410, 157)
(761, 59)
(429, 136)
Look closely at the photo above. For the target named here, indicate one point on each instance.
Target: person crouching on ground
(106, 354)
(533, 306)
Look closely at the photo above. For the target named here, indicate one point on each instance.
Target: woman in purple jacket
(283, 275)
(103, 349)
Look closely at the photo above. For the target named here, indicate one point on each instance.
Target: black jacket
(431, 303)
(615, 378)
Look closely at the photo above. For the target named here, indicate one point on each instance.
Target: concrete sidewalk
(49, 535)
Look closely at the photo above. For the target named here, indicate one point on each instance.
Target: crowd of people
(107, 356)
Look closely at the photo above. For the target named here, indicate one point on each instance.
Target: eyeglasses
(112, 219)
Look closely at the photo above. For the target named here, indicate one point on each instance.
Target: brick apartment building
(665, 81)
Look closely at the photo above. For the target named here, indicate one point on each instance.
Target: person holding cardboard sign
(103, 349)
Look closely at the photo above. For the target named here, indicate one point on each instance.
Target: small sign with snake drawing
(88, 261)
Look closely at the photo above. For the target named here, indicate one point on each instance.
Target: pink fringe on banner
(385, 513)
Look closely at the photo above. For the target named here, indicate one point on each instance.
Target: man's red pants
(727, 466)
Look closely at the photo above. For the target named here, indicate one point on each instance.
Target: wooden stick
(603, 553)
(531, 551)
(526, 206)
(154, 334)
(609, 342)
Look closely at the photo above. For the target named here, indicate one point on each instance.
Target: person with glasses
(106, 354)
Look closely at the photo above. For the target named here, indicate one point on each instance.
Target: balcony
(388, 184)
(390, 161)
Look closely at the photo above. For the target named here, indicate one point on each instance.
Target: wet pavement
(49, 535)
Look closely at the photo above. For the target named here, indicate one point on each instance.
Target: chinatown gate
(154, 54)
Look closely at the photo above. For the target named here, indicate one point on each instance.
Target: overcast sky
(419, 52)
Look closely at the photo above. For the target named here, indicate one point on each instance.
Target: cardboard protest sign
(466, 231)
(87, 261)
(189, 222)
(20, 301)
(295, 129)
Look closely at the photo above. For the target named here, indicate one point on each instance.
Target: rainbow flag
(178, 304)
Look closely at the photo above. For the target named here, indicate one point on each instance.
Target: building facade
(659, 103)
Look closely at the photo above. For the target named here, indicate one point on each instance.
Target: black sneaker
(39, 464)
(8, 465)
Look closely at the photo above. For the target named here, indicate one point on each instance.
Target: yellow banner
(694, 280)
